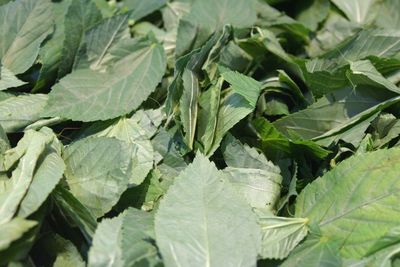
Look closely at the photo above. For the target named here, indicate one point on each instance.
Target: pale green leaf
(49, 170)
(331, 113)
(71, 207)
(388, 17)
(189, 105)
(12, 230)
(254, 177)
(379, 43)
(203, 222)
(359, 11)
(141, 8)
(363, 72)
(363, 190)
(99, 40)
(213, 103)
(315, 252)
(8, 79)
(4, 146)
(124, 241)
(50, 54)
(233, 108)
(88, 95)
(149, 120)
(313, 15)
(68, 254)
(208, 16)
(80, 17)
(18, 112)
(106, 250)
(240, 155)
(244, 86)
(13, 190)
(25, 24)
(170, 149)
(98, 172)
(280, 235)
(142, 157)
(259, 187)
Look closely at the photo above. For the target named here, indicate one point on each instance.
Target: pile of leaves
(199, 133)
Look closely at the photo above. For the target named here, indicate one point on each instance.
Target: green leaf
(50, 54)
(202, 206)
(72, 208)
(331, 113)
(26, 23)
(4, 143)
(141, 9)
(149, 120)
(124, 241)
(8, 79)
(13, 190)
(88, 95)
(259, 187)
(99, 42)
(364, 73)
(13, 230)
(18, 112)
(80, 17)
(388, 17)
(189, 105)
(207, 17)
(212, 109)
(98, 172)
(381, 43)
(315, 252)
(280, 235)
(272, 18)
(359, 11)
(244, 86)
(232, 109)
(355, 181)
(127, 130)
(254, 177)
(276, 145)
(49, 171)
(68, 254)
(170, 146)
(314, 14)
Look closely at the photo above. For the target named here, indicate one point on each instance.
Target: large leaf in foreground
(203, 222)
(88, 95)
(343, 203)
(25, 24)
(98, 172)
